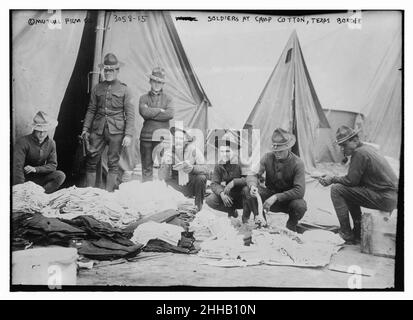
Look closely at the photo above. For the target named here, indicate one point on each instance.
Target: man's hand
(254, 191)
(29, 169)
(227, 200)
(326, 180)
(85, 134)
(269, 202)
(187, 167)
(229, 187)
(126, 141)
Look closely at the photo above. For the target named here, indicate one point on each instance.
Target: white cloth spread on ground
(149, 197)
(154, 230)
(272, 246)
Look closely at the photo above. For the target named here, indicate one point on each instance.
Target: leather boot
(90, 179)
(111, 181)
(357, 231)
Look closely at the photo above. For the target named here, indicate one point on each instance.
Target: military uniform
(110, 116)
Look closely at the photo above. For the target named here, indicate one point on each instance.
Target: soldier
(370, 182)
(183, 166)
(284, 181)
(156, 109)
(34, 157)
(228, 171)
(109, 120)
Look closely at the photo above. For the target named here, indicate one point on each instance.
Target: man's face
(179, 139)
(40, 135)
(156, 85)
(348, 147)
(281, 155)
(226, 153)
(110, 74)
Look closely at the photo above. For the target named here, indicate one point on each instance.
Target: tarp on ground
(289, 101)
(148, 39)
(43, 57)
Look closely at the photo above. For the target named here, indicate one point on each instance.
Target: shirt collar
(290, 155)
(37, 141)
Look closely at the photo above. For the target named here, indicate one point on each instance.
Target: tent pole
(100, 27)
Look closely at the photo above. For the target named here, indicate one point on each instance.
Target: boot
(357, 231)
(232, 213)
(90, 179)
(111, 181)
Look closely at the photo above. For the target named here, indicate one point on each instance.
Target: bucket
(51, 266)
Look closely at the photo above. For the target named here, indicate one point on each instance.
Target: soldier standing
(109, 120)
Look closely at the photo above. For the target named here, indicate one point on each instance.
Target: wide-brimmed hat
(188, 137)
(158, 74)
(110, 62)
(228, 139)
(344, 133)
(282, 140)
(42, 122)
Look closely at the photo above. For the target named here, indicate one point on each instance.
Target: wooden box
(378, 232)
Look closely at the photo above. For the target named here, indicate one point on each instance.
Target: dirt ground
(169, 269)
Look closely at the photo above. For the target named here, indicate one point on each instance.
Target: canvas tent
(383, 103)
(145, 45)
(52, 70)
(43, 58)
(289, 101)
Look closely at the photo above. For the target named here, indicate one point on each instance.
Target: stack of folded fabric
(93, 239)
(164, 237)
(73, 202)
(148, 198)
(28, 197)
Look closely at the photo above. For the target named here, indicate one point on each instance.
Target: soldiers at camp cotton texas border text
(109, 120)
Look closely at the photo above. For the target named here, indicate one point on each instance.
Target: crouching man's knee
(200, 179)
(336, 189)
(298, 208)
(246, 194)
(212, 201)
(59, 177)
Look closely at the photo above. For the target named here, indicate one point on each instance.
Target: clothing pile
(148, 198)
(28, 197)
(164, 237)
(73, 202)
(273, 245)
(154, 230)
(93, 239)
(210, 223)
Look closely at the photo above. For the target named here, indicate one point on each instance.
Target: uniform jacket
(286, 178)
(368, 168)
(111, 103)
(29, 152)
(226, 173)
